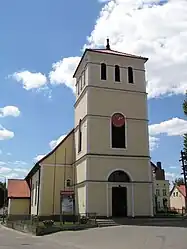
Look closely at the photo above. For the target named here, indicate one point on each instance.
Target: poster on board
(67, 202)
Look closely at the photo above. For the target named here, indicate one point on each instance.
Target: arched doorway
(119, 193)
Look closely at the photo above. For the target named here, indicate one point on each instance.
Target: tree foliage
(3, 194)
(178, 181)
(185, 105)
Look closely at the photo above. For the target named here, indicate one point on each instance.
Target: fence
(170, 211)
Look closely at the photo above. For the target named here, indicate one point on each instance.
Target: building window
(80, 137)
(103, 71)
(118, 131)
(117, 73)
(36, 193)
(119, 176)
(176, 194)
(164, 192)
(130, 75)
(68, 183)
(165, 201)
(157, 192)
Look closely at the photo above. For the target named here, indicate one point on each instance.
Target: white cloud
(54, 143)
(2, 163)
(9, 111)
(153, 142)
(172, 127)
(11, 172)
(5, 134)
(21, 170)
(38, 158)
(62, 72)
(171, 176)
(5, 170)
(172, 167)
(131, 27)
(30, 80)
(20, 163)
(13, 175)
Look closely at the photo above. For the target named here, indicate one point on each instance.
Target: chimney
(159, 165)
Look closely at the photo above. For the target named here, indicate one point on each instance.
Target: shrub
(48, 223)
(83, 220)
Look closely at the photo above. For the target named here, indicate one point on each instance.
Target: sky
(41, 44)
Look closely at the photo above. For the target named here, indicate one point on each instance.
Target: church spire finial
(108, 44)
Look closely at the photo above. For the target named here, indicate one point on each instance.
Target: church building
(104, 161)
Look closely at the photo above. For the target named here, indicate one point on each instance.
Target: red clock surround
(118, 120)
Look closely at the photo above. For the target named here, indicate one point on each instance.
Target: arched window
(130, 75)
(80, 136)
(103, 71)
(117, 73)
(119, 176)
(118, 131)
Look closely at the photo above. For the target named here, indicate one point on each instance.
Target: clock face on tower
(118, 120)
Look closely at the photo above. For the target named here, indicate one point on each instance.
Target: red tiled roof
(182, 190)
(114, 52)
(18, 188)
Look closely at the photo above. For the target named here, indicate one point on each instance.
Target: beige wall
(143, 199)
(63, 154)
(81, 171)
(81, 199)
(34, 193)
(100, 142)
(100, 198)
(54, 172)
(84, 150)
(177, 202)
(18, 206)
(95, 59)
(81, 108)
(52, 182)
(96, 105)
(99, 168)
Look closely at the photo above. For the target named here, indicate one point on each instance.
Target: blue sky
(34, 90)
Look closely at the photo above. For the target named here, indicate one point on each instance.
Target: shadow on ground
(161, 222)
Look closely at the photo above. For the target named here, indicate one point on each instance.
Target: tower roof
(108, 50)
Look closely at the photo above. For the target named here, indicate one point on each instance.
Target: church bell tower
(113, 172)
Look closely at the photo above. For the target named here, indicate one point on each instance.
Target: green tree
(178, 181)
(3, 194)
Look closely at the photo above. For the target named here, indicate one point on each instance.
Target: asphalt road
(122, 237)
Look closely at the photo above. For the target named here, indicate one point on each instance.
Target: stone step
(106, 222)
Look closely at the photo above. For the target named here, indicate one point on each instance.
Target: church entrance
(119, 201)
(119, 193)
